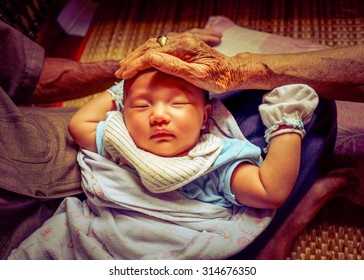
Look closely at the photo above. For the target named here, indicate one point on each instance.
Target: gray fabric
(21, 63)
(19, 217)
(37, 155)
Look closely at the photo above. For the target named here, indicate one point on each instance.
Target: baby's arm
(269, 185)
(284, 112)
(83, 124)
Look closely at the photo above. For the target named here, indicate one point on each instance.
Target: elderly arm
(64, 79)
(334, 73)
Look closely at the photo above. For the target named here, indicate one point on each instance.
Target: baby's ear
(207, 112)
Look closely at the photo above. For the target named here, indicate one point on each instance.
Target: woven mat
(336, 233)
(121, 26)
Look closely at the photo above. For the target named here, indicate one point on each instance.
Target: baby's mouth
(161, 133)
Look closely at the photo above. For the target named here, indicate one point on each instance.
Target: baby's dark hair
(206, 96)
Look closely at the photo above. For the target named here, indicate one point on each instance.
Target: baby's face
(164, 114)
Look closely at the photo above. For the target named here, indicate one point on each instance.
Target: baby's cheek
(133, 128)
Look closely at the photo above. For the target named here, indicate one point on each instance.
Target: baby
(166, 117)
(164, 114)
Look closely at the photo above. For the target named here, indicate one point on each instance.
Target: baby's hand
(287, 109)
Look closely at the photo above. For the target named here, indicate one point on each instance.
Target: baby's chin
(168, 153)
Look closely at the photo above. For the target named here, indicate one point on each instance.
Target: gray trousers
(37, 166)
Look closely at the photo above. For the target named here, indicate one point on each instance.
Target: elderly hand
(184, 56)
(208, 35)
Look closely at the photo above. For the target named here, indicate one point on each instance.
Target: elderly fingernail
(157, 60)
(127, 74)
(118, 73)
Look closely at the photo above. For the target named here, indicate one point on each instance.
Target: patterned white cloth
(122, 220)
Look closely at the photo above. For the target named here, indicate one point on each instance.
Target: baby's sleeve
(117, 93)
(224, 186)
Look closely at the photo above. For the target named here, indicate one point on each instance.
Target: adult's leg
(37, 166)
(37, 154)
(317, 148)
(20, 216)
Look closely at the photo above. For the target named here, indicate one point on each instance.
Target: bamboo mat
(120, 26)
(337, 232)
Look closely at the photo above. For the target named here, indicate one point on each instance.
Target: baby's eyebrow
(137, 95)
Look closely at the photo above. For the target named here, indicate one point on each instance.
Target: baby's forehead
(152, 78)
(156, 77)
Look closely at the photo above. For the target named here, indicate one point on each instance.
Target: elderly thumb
(157, 60)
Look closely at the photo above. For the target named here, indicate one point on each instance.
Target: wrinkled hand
(208, 35)
(184, 56)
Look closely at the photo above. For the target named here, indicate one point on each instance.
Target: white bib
(160, 174)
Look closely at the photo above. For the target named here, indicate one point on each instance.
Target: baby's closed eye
(180, 102)
(139, 104)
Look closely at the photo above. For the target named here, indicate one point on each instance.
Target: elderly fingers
(208, 35)
(139, 59)
(135, 66)
(141, 51)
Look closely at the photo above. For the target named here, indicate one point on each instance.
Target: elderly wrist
(250, 71)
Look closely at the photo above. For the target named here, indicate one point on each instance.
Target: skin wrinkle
(196, 56)
(218, 76)
(197, 71)
(336, 87)
(242, 73)
(176, 69)
(55, 80)
(217, 73)
(259, 73)
(345, 64)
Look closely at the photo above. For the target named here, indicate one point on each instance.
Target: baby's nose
(160, 114)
